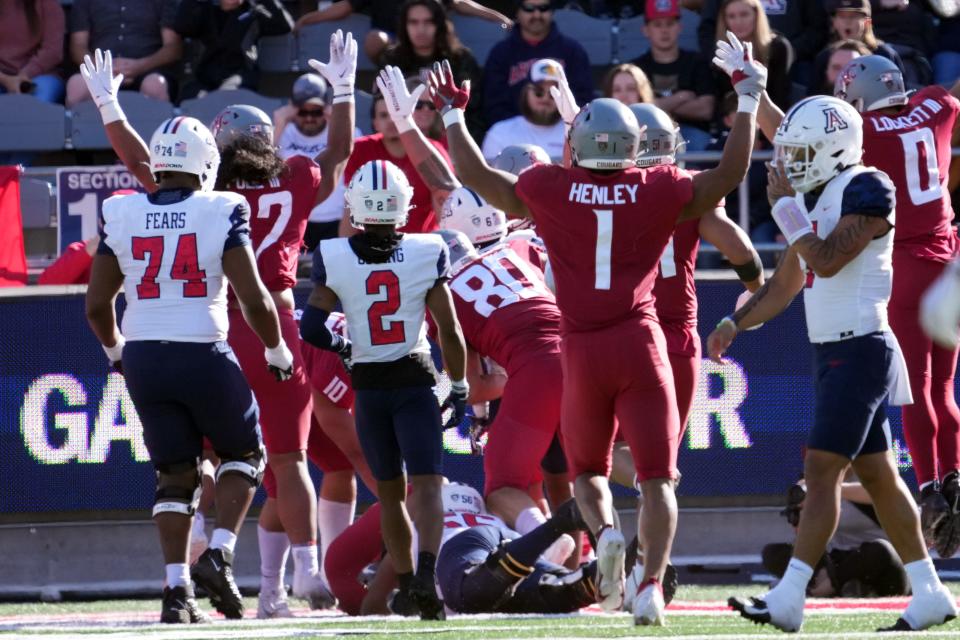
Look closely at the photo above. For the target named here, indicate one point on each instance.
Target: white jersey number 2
(920, 152)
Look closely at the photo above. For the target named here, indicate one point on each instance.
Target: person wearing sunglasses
(539, 120)
(534, 37)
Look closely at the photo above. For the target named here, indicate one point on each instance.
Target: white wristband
(459, 385)
(405, 124)
(791, 219)
(115, 353)
(452, 117)
(342, 93)
(747, 104)
(111, 112)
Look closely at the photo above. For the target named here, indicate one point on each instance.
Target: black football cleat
(424, 594)
(670, 583)
(180, 607)
(947, 535)
(213, 572)
(758, 610)
(568, 516)
(401, 603)
(934, 513)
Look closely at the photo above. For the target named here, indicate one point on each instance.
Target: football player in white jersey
(385, 281)
(173, 252)
(838, 216)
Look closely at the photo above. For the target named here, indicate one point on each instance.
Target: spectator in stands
(628, 84)
(841, 52)
(73, 265)
(508, 65)
(425, 36)
(850, 20)
(228, 32)
(539, 121)
(300, 128)
(425, 115)
(385, 16)
(905, 23)
(139, 34)
(683, 84)
(385, 144)
(747, 20)
(31, 48)
(946, 57)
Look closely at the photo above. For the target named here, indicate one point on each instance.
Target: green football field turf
(135, 620)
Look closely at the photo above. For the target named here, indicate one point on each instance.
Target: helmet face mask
(605, 136)
(378, 193)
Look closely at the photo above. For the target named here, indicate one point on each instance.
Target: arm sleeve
(70, 267)
(50, 53)
(239, 233)
(870, 193)
(318, 273)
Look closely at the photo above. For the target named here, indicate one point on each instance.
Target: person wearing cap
(534, 37)
(682, 82)
(539, 121)
(300, 129)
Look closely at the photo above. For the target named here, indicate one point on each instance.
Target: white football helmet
(185, 145)
(817, 139)
(467, 212)
(379, 193)
(462, 498)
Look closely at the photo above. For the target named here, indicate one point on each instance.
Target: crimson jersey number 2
(392, 332)
(186, 266)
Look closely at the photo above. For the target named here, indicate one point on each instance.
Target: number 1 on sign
(604, 244)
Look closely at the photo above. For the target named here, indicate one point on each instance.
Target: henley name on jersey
(586, 193)
(166, 219)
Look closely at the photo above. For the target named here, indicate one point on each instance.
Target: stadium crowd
(572, 359)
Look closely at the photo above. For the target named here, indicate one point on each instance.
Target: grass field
(698, 612)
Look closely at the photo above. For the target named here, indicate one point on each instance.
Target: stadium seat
(478, 35)
(36, 203)
(595, 34)
(205, 109)
(364, 102)
(631, 43)
(143, 113)
(27, 124)
(314, 41)
(277, 54)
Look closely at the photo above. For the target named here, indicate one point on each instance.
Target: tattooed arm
(431, 166)
(826, 256)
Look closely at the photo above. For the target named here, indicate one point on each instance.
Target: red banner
(13, 261)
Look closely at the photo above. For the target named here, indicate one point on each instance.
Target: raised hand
(749, 77)
(400, 102)
(563, 97)
(341, 71)
(444, 92)
(102, 84)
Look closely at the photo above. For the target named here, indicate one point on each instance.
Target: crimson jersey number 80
(186, 266)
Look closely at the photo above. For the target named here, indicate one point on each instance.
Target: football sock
(178, 575)
(305, 559)
(223, 539)
(332, 519)
(274, 548)
(426, 565)
(795, 579)
(404, 580)
(923, 577)
(528, 520)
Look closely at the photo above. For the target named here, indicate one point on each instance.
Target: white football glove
(792, 220)
(940, 307)
(103, 85)
(280, 361)
(341, 71)
(748, 76)
(563, 97)
(400, 102)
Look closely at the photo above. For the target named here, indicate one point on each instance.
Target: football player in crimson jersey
(281, 196)
(908, 138)
(615, 364)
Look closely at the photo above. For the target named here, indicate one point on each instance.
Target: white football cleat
(770, 609)
(927, 609)
(273, 604)
(310, 587)
(559, 551)
(611, 551)
(632, 588)
(649, 605)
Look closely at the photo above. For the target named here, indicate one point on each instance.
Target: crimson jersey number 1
(392, 332)
(186, 266)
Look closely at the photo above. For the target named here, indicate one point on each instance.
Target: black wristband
(749, 271)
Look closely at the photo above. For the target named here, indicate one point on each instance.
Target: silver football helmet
(518, 157)
(605, 135)
(870, 83)
(661, 140)
(239, 120)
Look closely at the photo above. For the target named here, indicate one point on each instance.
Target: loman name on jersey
(586, 193)
(920, 113)
(166, 219)
(396, 256)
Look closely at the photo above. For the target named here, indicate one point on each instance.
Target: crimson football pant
(931, 425)
(321, 451)
(359, 545)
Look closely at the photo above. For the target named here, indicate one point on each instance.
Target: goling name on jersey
(166, 219)
(586, 193)
(396, 256)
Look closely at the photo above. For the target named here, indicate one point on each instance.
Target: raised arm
(733, 242)
(496, 187)
(126, 142)
(431, 166)
(749, 80)
(341, 73)
(729, 58)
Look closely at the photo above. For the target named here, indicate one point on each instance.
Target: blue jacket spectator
(534, 37)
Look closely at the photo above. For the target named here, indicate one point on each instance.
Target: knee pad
(249, 465)
(178, 487)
